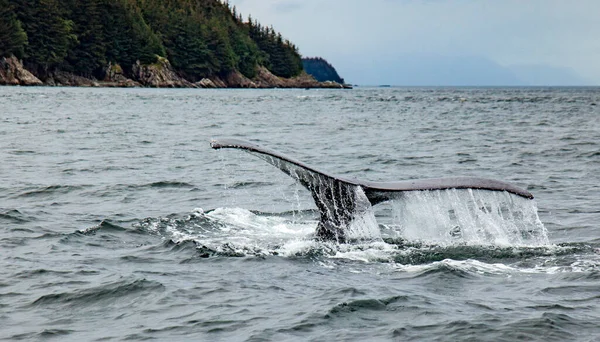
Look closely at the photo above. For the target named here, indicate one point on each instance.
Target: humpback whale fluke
(340, 199)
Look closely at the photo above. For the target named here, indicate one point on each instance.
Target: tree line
(201, 38)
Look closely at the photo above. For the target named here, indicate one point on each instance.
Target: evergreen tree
(281, 57)
(201, 38)
(87, 57)
(146, 44)
(117, 34)
(49, 33)
(246, 53)
(218, 43)
(12, 37)
(186, 49)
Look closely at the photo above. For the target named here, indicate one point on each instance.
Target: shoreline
(158, 75)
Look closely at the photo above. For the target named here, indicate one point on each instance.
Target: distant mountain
(438, 70)
(321, 70)
(544, 75)
(430, 70)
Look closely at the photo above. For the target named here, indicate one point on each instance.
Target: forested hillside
(321, 70)
(200, 38)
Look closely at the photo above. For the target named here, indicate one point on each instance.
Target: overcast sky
(417, 42)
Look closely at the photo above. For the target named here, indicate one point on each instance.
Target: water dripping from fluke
(443, 210)
(468, 217)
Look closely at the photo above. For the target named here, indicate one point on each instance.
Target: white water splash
(474, 217)
(363, 226)
(239, 232)
(242, 223)
(376, 251)
(479, 267)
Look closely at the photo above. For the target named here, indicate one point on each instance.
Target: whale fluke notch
(338, 198)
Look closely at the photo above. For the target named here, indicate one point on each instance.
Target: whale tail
(339, 199)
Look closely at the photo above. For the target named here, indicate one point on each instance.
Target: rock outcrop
(159, 75)
(206, 83)
(219, 83)
(67, 79)
(236, 79)
(12, 72)
(266, 79)
(114, 77)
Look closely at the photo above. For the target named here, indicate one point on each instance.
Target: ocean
(119, 222)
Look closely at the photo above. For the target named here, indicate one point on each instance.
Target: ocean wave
(104, 226)
(107, 293)
(15, 216)
(51, 190)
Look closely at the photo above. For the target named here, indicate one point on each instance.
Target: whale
(340, 200)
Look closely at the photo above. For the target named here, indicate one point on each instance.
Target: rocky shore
(157, 75)
(13, 73)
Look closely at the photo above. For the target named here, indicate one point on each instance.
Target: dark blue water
(117, 220)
